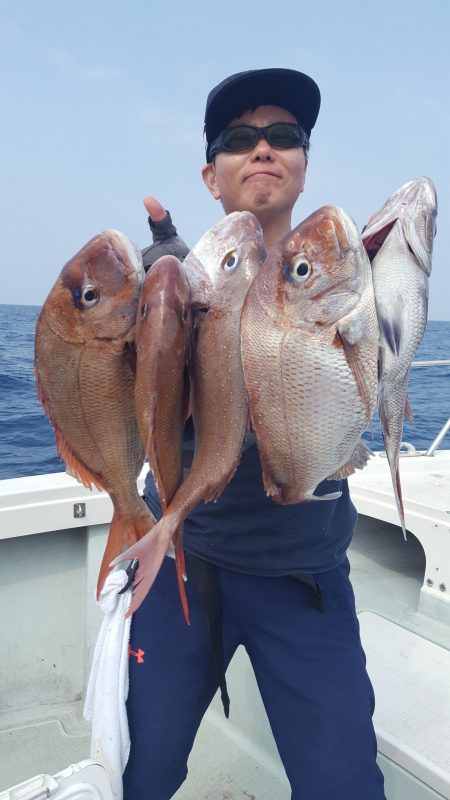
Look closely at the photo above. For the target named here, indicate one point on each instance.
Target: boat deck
(237, 758)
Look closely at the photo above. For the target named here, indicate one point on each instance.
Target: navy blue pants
(310, 669)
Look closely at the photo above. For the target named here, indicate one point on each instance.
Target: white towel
(107, 689)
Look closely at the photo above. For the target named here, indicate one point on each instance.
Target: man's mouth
(261, 174)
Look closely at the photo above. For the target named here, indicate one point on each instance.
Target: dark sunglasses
(245, 137)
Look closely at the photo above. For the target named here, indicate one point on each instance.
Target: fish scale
(300, 445)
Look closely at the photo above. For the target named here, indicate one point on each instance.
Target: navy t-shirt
(247, 532)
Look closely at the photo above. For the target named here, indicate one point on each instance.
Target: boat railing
(409, 449)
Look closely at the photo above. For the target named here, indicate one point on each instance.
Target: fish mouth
(126, 251)
(373, 242)
(345, 229)
(414, 208)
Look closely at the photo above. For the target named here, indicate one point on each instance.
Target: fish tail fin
(150, 552)
(395, 474)
(124, 531)
(150, 560)
(392, 440)
(181, 573)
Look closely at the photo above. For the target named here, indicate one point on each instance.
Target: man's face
(264, 180)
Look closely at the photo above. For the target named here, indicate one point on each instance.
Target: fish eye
(230, 261)
(89, 295)
(300, 269)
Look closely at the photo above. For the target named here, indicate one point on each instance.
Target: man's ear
(209, 178)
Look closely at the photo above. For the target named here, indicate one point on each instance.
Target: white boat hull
(48, 570)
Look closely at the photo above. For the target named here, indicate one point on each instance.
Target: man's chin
(259, 201)
(262, 199)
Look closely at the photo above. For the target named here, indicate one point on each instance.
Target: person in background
(272, 578)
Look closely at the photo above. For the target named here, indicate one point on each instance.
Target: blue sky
(102, 103)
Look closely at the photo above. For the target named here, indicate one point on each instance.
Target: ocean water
(27, 442)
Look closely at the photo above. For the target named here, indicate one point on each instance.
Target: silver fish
(399, 241)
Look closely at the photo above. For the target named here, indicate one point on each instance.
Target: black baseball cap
(287, 88)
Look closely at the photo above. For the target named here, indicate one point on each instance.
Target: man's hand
(154, 209)
(165, 238)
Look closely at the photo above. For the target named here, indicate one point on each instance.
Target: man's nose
(262, 150)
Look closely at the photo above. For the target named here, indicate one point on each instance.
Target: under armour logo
(139, 654)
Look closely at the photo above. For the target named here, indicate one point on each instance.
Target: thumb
(154, 209)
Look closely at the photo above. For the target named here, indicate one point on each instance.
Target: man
(273, 578)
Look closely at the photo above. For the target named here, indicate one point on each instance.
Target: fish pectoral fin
(392, 324)
(355, 362)
(359, 459)
(350, 330)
